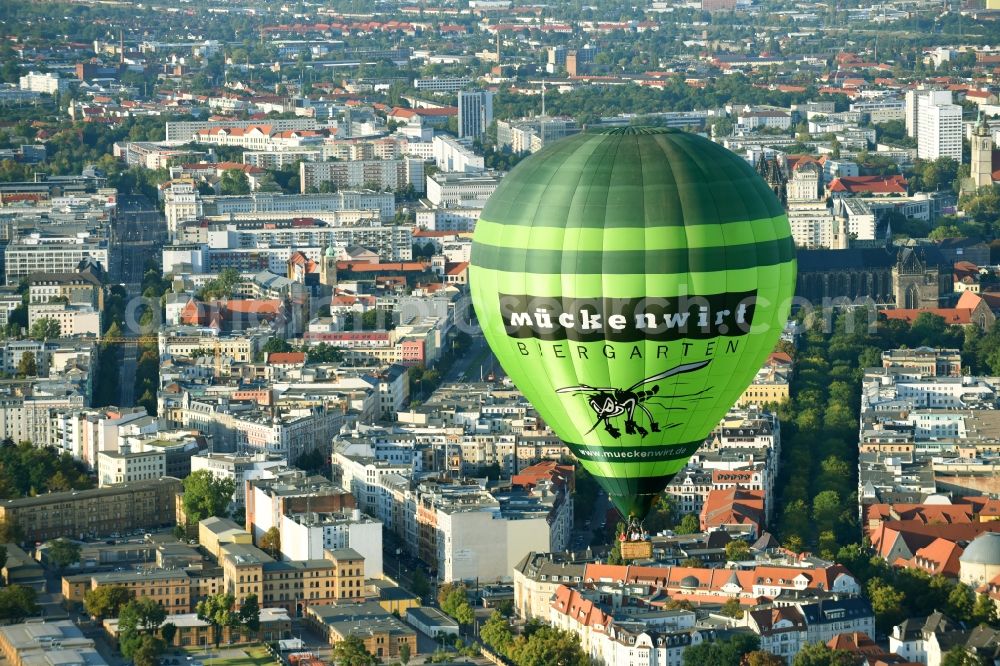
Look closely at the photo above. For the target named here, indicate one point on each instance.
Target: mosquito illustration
(609, 402)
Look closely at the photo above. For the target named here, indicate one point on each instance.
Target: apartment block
(96, 512)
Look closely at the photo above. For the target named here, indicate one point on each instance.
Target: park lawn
(256, 655)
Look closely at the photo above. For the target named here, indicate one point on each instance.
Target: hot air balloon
(631, 283)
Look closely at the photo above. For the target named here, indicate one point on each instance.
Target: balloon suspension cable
(634, 531)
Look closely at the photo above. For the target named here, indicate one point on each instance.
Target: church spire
(982, 129)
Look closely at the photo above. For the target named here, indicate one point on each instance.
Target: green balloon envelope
(631, 283)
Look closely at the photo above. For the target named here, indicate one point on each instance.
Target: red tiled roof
(209, 313)
(286, 358)
(952, 316)
(779, 357)
(869, 184)
(857, 642)
(400, 112)
(677, 578)
(570, 602)
(940, 557)
(733, 506)
(545, 470)
(258, 306)
(918, 535)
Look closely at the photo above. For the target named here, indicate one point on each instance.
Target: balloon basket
(636, 550)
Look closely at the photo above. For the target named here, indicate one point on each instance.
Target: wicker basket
(636, 550)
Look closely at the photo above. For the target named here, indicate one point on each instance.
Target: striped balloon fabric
(632, 282)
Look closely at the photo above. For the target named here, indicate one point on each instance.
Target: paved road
(463, 369)
(139, 234)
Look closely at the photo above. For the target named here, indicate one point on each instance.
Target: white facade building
(814, 226)
(459, 219)
(258, 203)
(306, 536)
(394, 174)
(442, 85)
(805, 183)
(462, 190)
(72, 319)
(61, 254)
(475, 113)
(939, 130)
(913, 101)
(49, 83)
(184, 131)
(481, 543)
(452, 155)
(125, 466)
(181, 203)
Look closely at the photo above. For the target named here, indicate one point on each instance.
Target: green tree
(938, 174)
(836, 474)
(984, 611)
(10, 532)
(496, 633)
(728, 652)
(141, 615)
(983, 205)
(45, 329)
(146, 650)
(455, 602)
(763, 658)
(961, 601)
(234, 181)
(270, 542)
(27, 367)
(276, 345)
(661, 517)
(351, 652)
(689, 524)
(959, 656)
(404, 653)
(945, 231)
(105, 601)
(421, 586)
(17, 602)
(887, 602)
(615, 553)
(548, 646)
(795, 519)
(206, 496)
(138, 622)
(217, 610)
(249, 616)
(222, 285)
(818, 654)
(827, 507)
(828, 544)
(737, 550)
(732, 608)
(63, 552)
